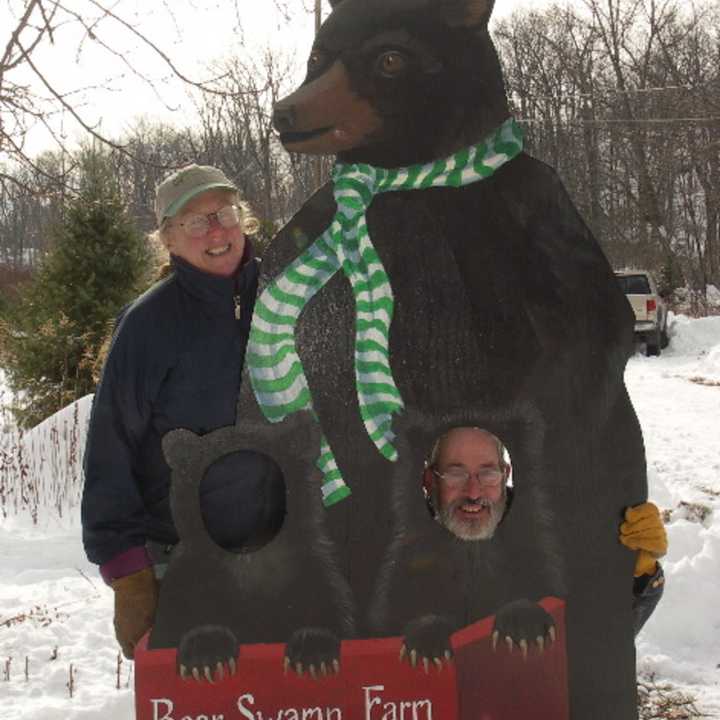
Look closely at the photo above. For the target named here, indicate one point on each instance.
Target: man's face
(220, 249)
(472, 509)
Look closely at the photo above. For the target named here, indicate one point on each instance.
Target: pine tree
(671, 277)
(97, 262)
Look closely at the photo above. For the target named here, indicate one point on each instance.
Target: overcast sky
(193, 33)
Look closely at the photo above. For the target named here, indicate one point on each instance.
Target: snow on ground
(677, 399)
(55, 613)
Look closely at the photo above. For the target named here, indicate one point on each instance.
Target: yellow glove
(135, 604)
(643, 530)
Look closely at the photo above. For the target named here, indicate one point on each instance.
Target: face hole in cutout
(242, 501)
(467, 482)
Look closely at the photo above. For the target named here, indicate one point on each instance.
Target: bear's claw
(518, 622)
(313, 650)
(204, 652)
(428, 639)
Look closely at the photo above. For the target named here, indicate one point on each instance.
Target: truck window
(634, 284)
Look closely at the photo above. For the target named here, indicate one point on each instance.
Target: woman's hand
(643, 530)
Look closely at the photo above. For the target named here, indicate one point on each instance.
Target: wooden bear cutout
(505, 316)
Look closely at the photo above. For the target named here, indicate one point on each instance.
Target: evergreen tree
(671, 277)
(97, 262)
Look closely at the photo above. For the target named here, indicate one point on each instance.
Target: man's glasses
(458, 476)
(197, 226)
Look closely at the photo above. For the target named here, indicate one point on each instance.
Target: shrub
(97, 261)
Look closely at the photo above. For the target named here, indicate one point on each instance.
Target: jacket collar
(215, 289)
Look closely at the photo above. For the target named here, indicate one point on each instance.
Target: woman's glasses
(197, 226)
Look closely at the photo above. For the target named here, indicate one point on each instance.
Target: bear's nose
(283, 118)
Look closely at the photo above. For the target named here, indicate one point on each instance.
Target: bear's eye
(315, 60)
(392, 63)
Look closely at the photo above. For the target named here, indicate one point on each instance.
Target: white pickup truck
(650, 311)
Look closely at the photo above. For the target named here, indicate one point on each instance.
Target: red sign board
(373, 684)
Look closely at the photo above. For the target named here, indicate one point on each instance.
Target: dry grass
(692, 511)
(40, 470)
(704, 381)
(661, 701)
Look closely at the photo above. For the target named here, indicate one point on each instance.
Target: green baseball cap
(183, 185)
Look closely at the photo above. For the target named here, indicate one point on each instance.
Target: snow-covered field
(55, 613)
(677, 398)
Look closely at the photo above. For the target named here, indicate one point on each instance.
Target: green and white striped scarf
(276, 372)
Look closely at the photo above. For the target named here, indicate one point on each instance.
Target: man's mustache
(480, 502)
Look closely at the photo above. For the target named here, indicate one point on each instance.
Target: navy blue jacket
(175, 362)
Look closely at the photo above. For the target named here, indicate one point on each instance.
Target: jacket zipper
(238, 306)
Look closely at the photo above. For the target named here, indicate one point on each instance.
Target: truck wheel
(652, 344)
(664, 339)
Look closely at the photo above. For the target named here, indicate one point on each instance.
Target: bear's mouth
(325, 116)
(293, 138)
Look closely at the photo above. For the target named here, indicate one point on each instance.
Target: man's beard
(468, 528)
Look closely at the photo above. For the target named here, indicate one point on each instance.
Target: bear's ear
(468, 13)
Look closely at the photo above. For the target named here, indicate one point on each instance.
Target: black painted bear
(443, 279)
(282, 585)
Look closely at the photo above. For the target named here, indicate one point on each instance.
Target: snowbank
(677, 399)
(684, 299)
(692, 336)
(41, 470)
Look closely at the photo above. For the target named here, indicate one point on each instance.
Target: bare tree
(234, 100)
(623, 99)
(237, 134)
(29, 207)
(151, 148)
(30, 96)
(650, 107)
(236, 129)
(690, 52)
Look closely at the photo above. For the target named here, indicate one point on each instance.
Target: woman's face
(220, 249)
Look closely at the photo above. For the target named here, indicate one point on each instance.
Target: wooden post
(318, 159)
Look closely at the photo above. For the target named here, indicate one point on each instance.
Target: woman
(175, 361)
